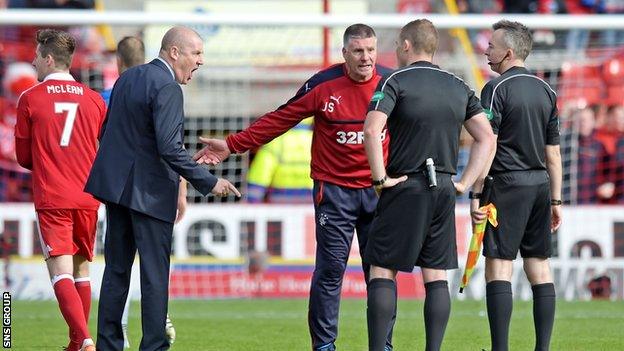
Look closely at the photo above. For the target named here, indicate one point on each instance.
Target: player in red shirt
(344, 199)
(58, 122)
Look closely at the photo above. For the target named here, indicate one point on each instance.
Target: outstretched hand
(214, 151)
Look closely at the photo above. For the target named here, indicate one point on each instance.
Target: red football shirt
(62, 119)
(339, 106)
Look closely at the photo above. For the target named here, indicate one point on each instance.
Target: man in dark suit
(136, 174)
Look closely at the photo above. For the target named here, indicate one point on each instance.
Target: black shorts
(414, 226)
(522, 199)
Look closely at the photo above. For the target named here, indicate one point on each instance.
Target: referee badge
(377, 96)
(489, 114)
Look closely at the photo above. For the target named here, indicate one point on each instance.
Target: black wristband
(473, 196)
(381, 181)
(556, 202)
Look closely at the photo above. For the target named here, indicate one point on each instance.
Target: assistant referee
(425, 108)
(522, 109)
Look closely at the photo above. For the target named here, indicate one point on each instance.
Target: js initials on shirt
(330, 105)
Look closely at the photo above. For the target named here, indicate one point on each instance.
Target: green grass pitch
(249, 325)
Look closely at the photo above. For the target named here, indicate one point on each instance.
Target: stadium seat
(580, 85)
(615, 94)
(613, 75)
(11, 51)
(613, 71)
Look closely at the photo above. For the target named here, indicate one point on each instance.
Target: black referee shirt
(522, 109)
(426, 108)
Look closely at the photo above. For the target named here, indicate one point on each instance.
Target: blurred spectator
(540, 36)
(280, 171)
(578, 39)
(583, 170)
(89, 59)
(53, 4)
(609, 135)
(600, 114)
(615, 117)
(479, 6)
(15, 185)
(480, 37)
(618, 172)
(534, 6)
(414, 6)
(25, 34)
(612, 129)
(17, 42)
(613, 37)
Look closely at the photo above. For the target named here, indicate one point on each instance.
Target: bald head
(180, 37)
(183, 50)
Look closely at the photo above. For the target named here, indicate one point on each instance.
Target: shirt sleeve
(23, 123)
(492, 106)
(385, 96)
(168, 120)
(552, 129)
(473, 107)
(273, 124)
(23, 134)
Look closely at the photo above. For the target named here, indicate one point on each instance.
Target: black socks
(543, 314)
(437, 311)
(381, 307)
(499, 306)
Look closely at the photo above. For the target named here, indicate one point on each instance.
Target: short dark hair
(422, 34)
(131, 51)
(58, 44)
(357, 31)
(517, 37)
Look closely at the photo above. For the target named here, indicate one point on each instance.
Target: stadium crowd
(593, 169)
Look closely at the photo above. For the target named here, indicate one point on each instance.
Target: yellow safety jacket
(280, 171)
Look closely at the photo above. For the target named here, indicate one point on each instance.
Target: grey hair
(357, 31)
(517, 37)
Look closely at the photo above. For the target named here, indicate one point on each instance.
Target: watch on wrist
(381, 181)
(473, 196)
(556, 202)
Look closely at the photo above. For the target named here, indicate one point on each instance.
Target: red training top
(339, 105)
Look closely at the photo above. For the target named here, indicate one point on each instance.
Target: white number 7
(71, 109)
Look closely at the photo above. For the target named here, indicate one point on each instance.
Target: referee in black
(527, 183)
(414, 225)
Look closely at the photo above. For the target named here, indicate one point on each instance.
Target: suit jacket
(141, 149)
